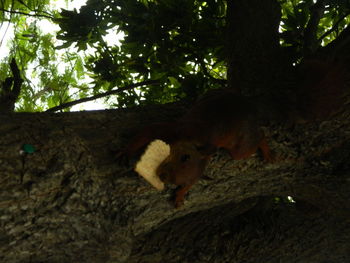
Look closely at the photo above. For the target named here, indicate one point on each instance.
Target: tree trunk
(255, 60)
(69, 201)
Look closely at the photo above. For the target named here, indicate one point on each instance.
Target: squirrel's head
(185, 164)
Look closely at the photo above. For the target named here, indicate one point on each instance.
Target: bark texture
(70, 201)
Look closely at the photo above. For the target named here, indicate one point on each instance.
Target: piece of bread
(154, 155)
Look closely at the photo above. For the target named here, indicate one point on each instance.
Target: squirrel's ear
(206, 149)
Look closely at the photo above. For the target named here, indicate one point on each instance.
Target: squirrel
(225, 119)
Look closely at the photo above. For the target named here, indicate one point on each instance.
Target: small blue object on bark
(28, 148)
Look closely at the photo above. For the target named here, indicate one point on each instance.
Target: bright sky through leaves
(7, 33)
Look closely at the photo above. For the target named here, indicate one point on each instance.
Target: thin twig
(26, 14)
(101, 95)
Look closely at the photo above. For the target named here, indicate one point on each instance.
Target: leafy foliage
(181, 44)
(296, 16)
(45, 81)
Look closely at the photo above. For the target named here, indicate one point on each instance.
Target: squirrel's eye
(184, 158)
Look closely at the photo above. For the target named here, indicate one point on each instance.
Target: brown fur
(224, 119)
(183, 167)
(221, 119)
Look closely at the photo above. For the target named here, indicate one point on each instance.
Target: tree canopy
(178, 49)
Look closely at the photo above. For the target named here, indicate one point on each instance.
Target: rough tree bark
(70, 201)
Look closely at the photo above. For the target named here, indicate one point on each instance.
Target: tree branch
(26, 14)
(334, 27)
(17, 83)
(101, 95)
(310, 34)
(339, 47)
(11, 89)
